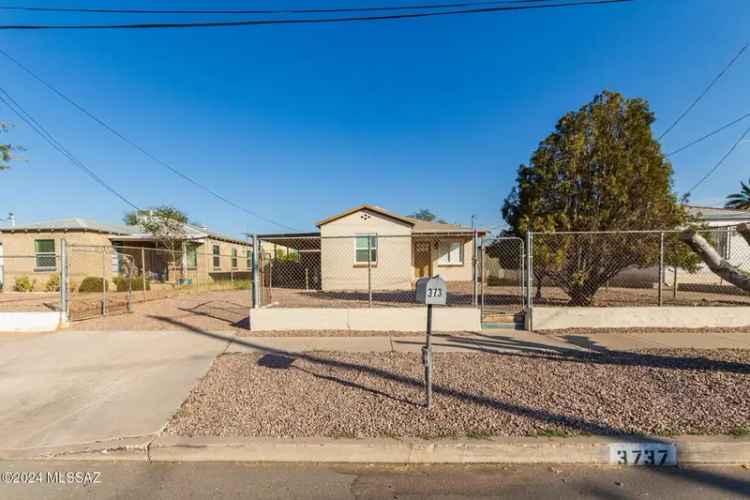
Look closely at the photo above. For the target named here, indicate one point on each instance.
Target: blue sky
(299, 122)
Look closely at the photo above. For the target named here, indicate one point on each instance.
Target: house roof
(718, 214)
(122, 231)
(370, 208)
(418, 226)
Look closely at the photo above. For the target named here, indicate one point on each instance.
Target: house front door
(422, 259)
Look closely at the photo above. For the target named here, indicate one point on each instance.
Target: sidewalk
(499, 340)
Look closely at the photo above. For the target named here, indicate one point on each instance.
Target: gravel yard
(476, 395)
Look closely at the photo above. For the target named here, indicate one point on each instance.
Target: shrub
(24, 284)
(136, 284)
(92, 284)
(53, 283)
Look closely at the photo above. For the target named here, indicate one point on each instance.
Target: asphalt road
(138, 480)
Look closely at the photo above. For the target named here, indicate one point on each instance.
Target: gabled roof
(369, 208)
(418, 226)
(718, 214)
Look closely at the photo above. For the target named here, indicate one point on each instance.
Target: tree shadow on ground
(578, 424)
(223, 311)
(596, 353)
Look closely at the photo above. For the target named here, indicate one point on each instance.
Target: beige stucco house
(369, 246)
(98, 249)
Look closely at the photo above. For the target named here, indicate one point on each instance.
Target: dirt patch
(29, 301)
(476, 395)
(208, 310)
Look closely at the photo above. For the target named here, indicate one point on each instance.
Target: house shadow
(582, 425)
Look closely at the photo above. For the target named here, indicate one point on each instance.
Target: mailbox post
(430, 291)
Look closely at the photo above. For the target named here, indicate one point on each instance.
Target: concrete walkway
(68, 388)
(500, 340)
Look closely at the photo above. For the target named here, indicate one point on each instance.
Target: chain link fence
(363, 270)
(30, 283)
(502, 279)
(108, 280)
(633, 268)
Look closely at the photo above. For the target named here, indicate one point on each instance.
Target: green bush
(24, 284)
(137, 284)
(92, 284)
(53, 283)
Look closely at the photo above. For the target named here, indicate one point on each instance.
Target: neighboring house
(730, 245)
(33, 250)
(368, 244)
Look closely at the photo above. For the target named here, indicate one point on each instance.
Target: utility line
(719, 163)
(133, 144)
(329, 20)
(425, 6)
(710, 134)
(37, 127)
(705, 91)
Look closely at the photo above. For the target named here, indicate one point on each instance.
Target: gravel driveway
(476, 395)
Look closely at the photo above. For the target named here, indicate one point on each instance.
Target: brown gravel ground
(476, 395)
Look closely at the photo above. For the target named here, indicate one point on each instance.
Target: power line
(710, 134)
(705, 91)
(133, 144)
(37, 127)
(329, 20)
(425, 6)
(719, 163)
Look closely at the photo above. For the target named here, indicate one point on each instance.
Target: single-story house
(369, 246)
(33, 250)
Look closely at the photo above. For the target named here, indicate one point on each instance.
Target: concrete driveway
(67, 388)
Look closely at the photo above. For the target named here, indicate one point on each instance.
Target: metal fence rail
(632, 268)
(364, 270)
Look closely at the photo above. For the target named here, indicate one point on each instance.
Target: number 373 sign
(654, 454)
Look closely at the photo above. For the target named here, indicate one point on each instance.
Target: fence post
(674, 282)
(143, 272)
(661, 269)
(130, 284)
(481, 279)
(529, 280)
(64, 297)
(307, 279)
(369, 271)
(104, 281)
(474, 267)
(254, 278)
(522, 274)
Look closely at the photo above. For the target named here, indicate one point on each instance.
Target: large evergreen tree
(600, 170)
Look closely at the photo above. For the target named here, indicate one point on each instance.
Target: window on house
(362, 245)
(249, 259)
(118, 262)
(451, 253)
(234, 259)
(724, 244)
(192, 256)
(45, 254)
(217, 257)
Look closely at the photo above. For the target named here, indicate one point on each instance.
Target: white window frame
(373, 248)
(443, 259)
(234, 256)
(191, 248)
(214, 256)
(52, 254)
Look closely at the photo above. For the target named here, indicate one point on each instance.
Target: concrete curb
(691, 450)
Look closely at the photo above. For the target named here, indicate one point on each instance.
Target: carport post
(254, 279)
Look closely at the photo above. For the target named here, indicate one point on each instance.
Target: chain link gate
(502, 279)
